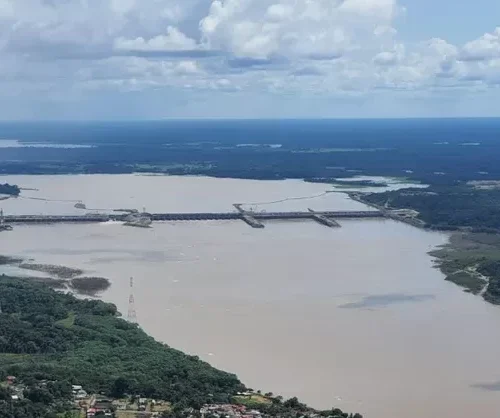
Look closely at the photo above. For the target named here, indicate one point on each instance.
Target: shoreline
(59, 277)
(103, 320)
(467, 259)
(461, 258)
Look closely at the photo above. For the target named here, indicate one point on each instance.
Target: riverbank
(86, 343)
(59, 277)
(472, 261)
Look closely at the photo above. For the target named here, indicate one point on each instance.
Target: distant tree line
(447, 207)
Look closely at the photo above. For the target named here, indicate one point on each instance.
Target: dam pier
(253, 219)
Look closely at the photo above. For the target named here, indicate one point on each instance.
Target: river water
(354, 317)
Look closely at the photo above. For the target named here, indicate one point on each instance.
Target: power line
(132, 314)
(286, 200)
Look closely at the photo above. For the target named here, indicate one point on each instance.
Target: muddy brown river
(355, 317)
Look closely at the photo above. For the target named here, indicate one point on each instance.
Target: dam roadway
(252, 218)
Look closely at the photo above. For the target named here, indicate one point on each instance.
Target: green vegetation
(4, 260)
(61, 272)
(9, 189)
(468, 280)
(56, 337)
(252, 401)
(472, 260)
(66, 277)
(50, 341)
(447, 207)
(67, 322)
(491, 269)
(293, 408)
(89, 285)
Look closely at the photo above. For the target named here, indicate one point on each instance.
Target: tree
(38, 395)
(120, 387)
(292, 403)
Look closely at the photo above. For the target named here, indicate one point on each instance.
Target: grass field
(252, 400)
(67, 322)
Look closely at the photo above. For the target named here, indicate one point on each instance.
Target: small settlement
(87, 405)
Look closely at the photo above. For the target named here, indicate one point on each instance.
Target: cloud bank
(76, 50)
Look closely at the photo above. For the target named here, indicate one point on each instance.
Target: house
(92, 412)
(81, 394)
(102, 404)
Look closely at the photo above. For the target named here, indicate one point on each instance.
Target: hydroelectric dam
(254, 219)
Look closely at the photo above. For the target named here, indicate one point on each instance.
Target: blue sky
(155, 59)
(456, 21)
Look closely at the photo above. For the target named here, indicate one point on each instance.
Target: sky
(161, 59)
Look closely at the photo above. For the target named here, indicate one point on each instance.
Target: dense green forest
(50, 341)
(472, 260)
(9, 189)
(52, 336)
(440, 151)
(447, 207)
(491, 269)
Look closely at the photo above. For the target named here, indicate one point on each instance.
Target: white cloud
(382, 9)
(326, 48)
(187, 67)
(390, 57)
(262, 29)
(484, 48)
(173, 40)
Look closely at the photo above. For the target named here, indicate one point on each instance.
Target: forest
(430, 151)
(50, 336)
(9, 189)
(50, 341)
(447, 207)
(491, 268)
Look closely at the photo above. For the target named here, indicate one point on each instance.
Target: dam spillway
(254, 219)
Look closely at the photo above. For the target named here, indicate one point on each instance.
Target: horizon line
(251, 119)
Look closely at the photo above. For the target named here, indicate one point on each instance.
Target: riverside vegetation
(9, 189)
(51, 340)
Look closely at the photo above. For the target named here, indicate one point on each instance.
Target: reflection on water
(267, 304)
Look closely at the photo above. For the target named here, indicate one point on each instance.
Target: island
(8, 189)
(61, 356)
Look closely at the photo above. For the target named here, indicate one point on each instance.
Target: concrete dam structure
(254, 219)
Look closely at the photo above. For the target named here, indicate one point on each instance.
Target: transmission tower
(132, 314)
